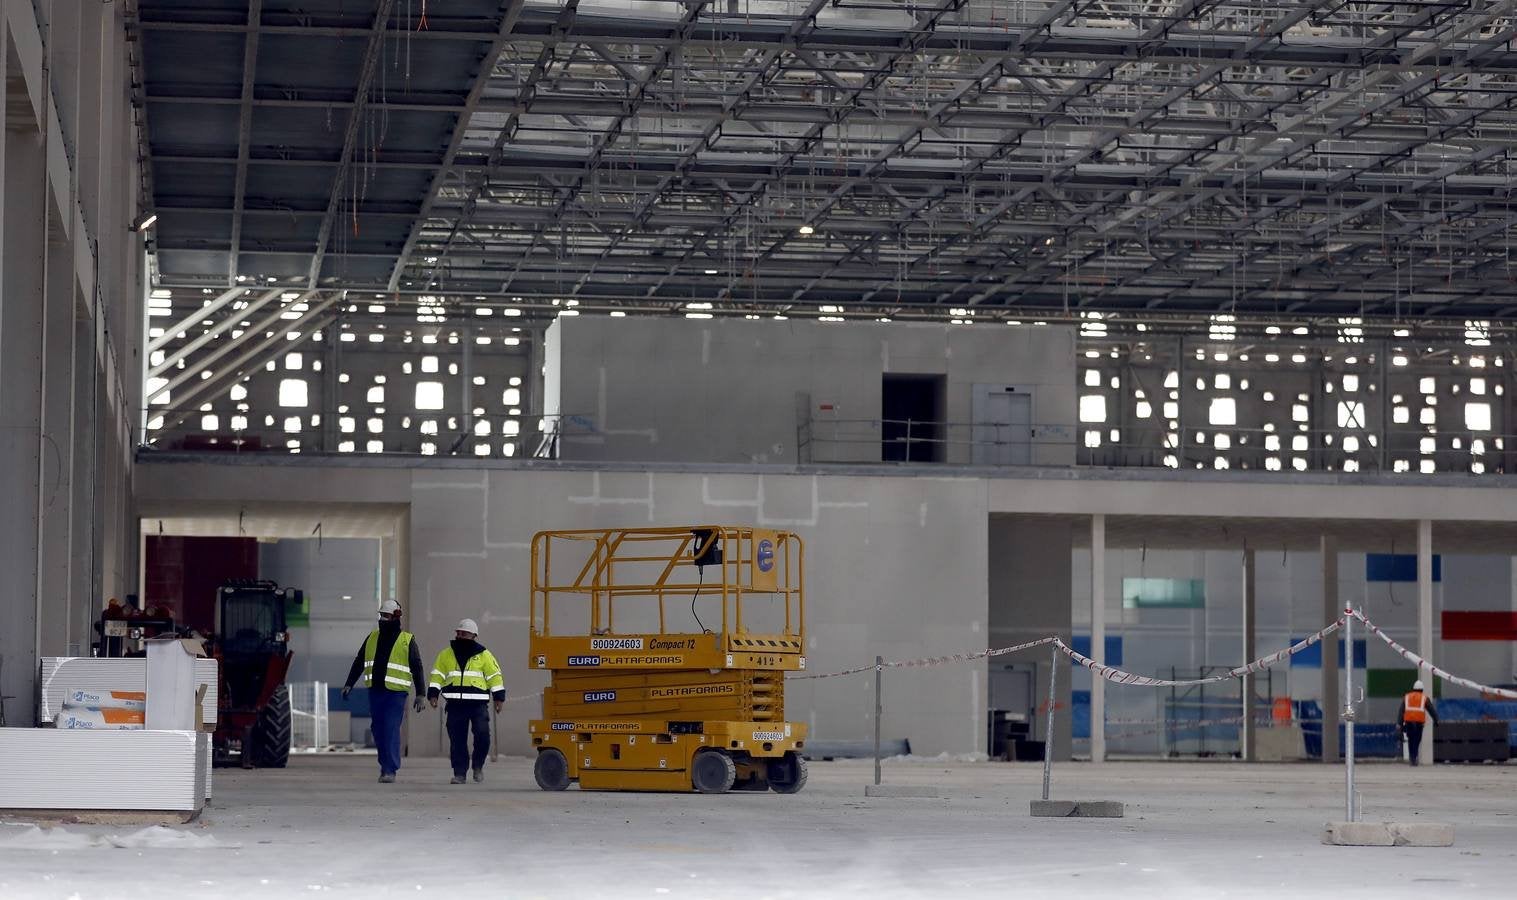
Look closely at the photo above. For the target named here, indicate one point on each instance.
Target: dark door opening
(911, 407)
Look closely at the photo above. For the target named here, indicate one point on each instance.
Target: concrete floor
(1192, 830)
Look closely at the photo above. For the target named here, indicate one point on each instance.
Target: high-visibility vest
(397, 671)
(1416, 707)
(476, 682)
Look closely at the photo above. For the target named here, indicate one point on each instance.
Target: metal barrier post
(1348, 714)
(879, 664)
(1053, 677)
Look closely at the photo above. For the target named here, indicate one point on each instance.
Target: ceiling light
(807, 229)
(617, 314)
(145, 221)
(161, 294)
(712, 272)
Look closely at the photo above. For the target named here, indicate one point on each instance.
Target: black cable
(698, 586)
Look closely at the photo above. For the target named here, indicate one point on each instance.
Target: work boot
(387, 778)
(479, 776)
(457, 779)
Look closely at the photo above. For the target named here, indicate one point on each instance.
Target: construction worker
(390, 663)
(468, 677)
(1416, 710)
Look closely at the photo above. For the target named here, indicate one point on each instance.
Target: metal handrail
(537, 432)
(1146, 446)
(662, 550)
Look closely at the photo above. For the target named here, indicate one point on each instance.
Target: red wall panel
(184, 572)
(1479, 626)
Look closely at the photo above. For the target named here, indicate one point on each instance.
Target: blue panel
(1079, 714)
(1311, 657)
(1397, 567)
(357, 703)
(1081, 645)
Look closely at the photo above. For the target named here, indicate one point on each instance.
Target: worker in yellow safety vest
(390, 664)
(1416, 710)
(468, 677)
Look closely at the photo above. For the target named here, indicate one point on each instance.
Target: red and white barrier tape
(1118, 676)
(931, 660)
(1418, 661)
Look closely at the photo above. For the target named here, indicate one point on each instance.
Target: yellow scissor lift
(668, 649)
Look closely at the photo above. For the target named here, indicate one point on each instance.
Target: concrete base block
(1388, 834)
(1077, 809)
(900, 790)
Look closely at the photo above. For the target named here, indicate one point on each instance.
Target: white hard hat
(389, 607)
(468, 625)
(1417, 685)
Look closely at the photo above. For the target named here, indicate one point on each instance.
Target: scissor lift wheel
(712, 772)
(787, 775)
(551, 770)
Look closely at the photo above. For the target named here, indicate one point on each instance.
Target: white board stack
(158, 771)
(62, 675)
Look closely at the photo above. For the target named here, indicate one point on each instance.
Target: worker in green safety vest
(389, 662)
(468, 677)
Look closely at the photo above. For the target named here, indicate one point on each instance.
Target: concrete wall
(904, 563)
(894, 566)
(887, 572)
(340, 578)
(361, 395)
(735, 390)
(71, 302)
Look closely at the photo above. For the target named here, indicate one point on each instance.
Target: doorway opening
(911, 413)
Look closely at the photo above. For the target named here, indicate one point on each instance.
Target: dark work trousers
(1413, 739)
(388, 709)
(465, 716)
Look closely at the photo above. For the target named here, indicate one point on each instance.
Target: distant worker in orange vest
(1416, 710)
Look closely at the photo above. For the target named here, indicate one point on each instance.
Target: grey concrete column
(1331, 609)
(1250, 647)
(21, 307)
(1098, 635)
(1425, 647)
(84, 547)
(55, 452)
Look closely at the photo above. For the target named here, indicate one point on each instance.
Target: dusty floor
(1192, 830)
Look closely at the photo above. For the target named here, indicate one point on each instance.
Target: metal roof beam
(371, 59)
(244, 133)
(170, 361)
(460, 130)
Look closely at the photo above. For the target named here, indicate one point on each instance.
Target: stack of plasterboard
(50, 768)
(62, 674)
